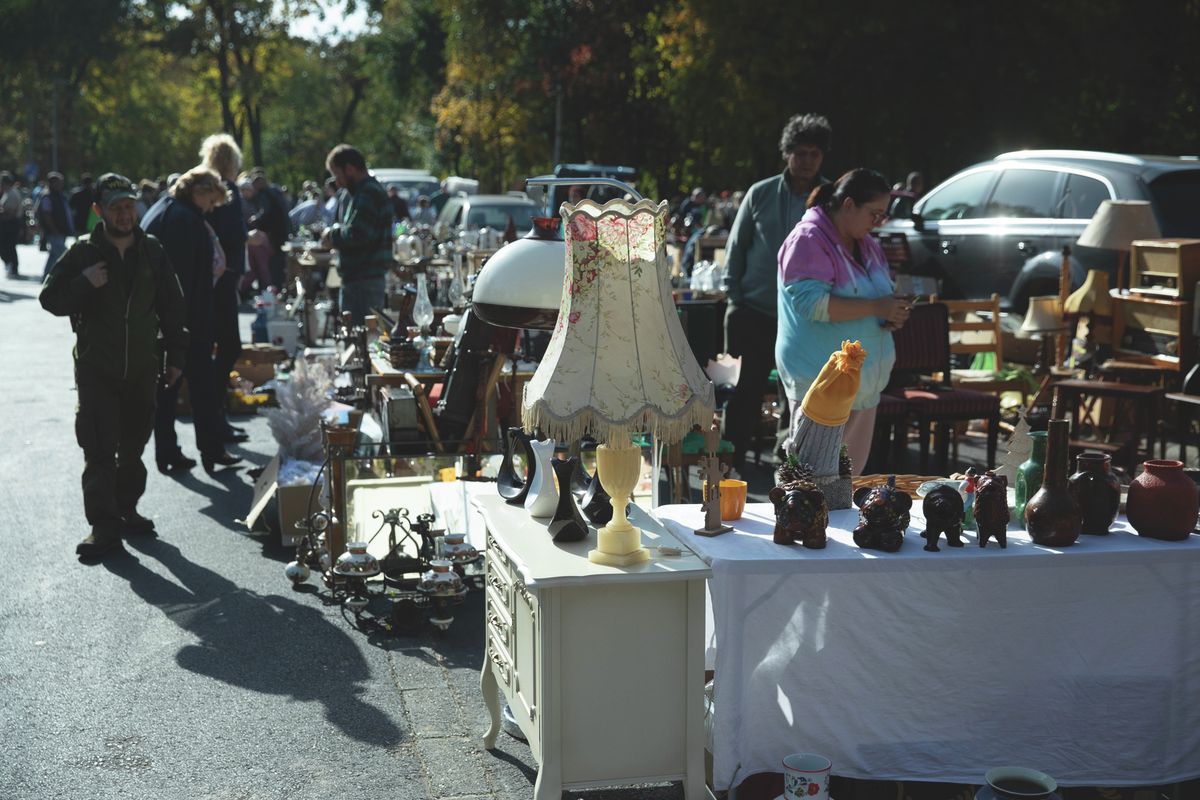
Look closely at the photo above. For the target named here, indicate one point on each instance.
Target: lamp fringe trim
(664, 428)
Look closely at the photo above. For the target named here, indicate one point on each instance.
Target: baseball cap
(113, 187)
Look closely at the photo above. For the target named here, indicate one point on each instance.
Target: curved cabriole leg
(491, 699)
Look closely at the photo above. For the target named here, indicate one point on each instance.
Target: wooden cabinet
(602, 666)
(1154, 330)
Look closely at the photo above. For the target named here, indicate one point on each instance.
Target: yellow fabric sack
(829, 398)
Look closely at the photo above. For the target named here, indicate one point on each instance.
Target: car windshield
(497, 217)
(1176, 198)
(411, 190)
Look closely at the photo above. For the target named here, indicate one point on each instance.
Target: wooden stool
(1146, 401)
(1184, 404)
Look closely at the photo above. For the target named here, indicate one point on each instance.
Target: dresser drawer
(501, 662)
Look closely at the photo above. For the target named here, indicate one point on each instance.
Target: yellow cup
(733, 498)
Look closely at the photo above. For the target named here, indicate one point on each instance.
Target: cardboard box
(291, 501)
(257, 362)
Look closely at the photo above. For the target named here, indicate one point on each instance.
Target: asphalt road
(188, 667)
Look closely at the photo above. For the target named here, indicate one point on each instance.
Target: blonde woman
(177, 220)
(221, 154)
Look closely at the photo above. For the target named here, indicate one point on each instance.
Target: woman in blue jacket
(834, 285)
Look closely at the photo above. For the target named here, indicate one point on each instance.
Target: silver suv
(468, 213)
(1000, 226)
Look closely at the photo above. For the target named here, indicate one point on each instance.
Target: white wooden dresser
(603, 667)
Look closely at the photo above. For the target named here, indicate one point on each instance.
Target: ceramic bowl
(1020, 783)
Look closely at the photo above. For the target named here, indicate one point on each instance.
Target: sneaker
(134, 524)
(97, 545)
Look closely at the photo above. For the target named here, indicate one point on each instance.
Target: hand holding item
(171, 376)
(894, 311)
(327, 238)
(97, 274)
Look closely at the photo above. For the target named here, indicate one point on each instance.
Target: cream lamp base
(619, 544)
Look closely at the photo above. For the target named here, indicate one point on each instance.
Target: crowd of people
(151, 284)
(803, 274)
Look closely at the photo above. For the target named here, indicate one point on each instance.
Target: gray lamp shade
(521, 285)
(1117, 223)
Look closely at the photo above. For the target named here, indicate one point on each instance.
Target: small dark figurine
(991, 508)
(800, 514)
(943, 509)
(883, 516)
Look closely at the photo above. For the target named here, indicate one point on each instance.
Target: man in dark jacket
(120, 292)
(83, 197)
(362, 233)
(56, 219)
(272, 219)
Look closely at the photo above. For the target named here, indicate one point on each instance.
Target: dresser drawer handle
(502, 665)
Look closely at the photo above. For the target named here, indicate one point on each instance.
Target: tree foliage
(690, 91)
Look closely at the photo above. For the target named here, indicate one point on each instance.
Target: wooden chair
(923, 350)
(477, 426)
(971, 333)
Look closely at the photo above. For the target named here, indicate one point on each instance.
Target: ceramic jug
(1097, 491)
(1162, 502)
(1052, 516)
(1029, 474)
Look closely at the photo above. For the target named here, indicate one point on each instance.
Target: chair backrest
(981, 335)
(923, 344)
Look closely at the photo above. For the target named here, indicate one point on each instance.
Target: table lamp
(1043, 317)
(618, 361)
(1115, 225)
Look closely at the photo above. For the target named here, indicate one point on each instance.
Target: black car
(1000, 226)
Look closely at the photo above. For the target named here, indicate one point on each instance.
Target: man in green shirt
(362, 233)
(770, 210)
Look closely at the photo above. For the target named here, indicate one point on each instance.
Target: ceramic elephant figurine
(800, 514)
(943, 509)
(883, 516)
(991, 508)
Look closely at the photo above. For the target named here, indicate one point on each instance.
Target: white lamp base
(619, 548)
(618, 544)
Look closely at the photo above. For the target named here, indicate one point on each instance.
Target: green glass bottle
(1029, 474)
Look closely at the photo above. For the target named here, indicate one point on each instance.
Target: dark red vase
(1163, 502)
(1097, 492)
(1052, 516)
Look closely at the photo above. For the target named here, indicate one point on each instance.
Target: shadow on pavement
(250, 640)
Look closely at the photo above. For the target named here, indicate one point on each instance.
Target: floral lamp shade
(618, 361)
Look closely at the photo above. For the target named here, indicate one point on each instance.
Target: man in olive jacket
(120, 293)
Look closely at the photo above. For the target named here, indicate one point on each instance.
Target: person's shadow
(265, 643)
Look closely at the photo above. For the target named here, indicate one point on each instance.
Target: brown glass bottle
(1052, 516)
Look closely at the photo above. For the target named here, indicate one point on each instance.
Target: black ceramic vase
(567, 524)
(1052, 516)
(1097, 491)
(512, 486)
(597, 503)
(580, 480)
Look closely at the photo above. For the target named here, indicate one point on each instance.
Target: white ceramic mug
(806, 776)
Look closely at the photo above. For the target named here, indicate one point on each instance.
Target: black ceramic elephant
(800, 514)
(991, 509)
(883, 516)
(943, 509)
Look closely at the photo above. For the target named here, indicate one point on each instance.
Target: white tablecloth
(1082, 662)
